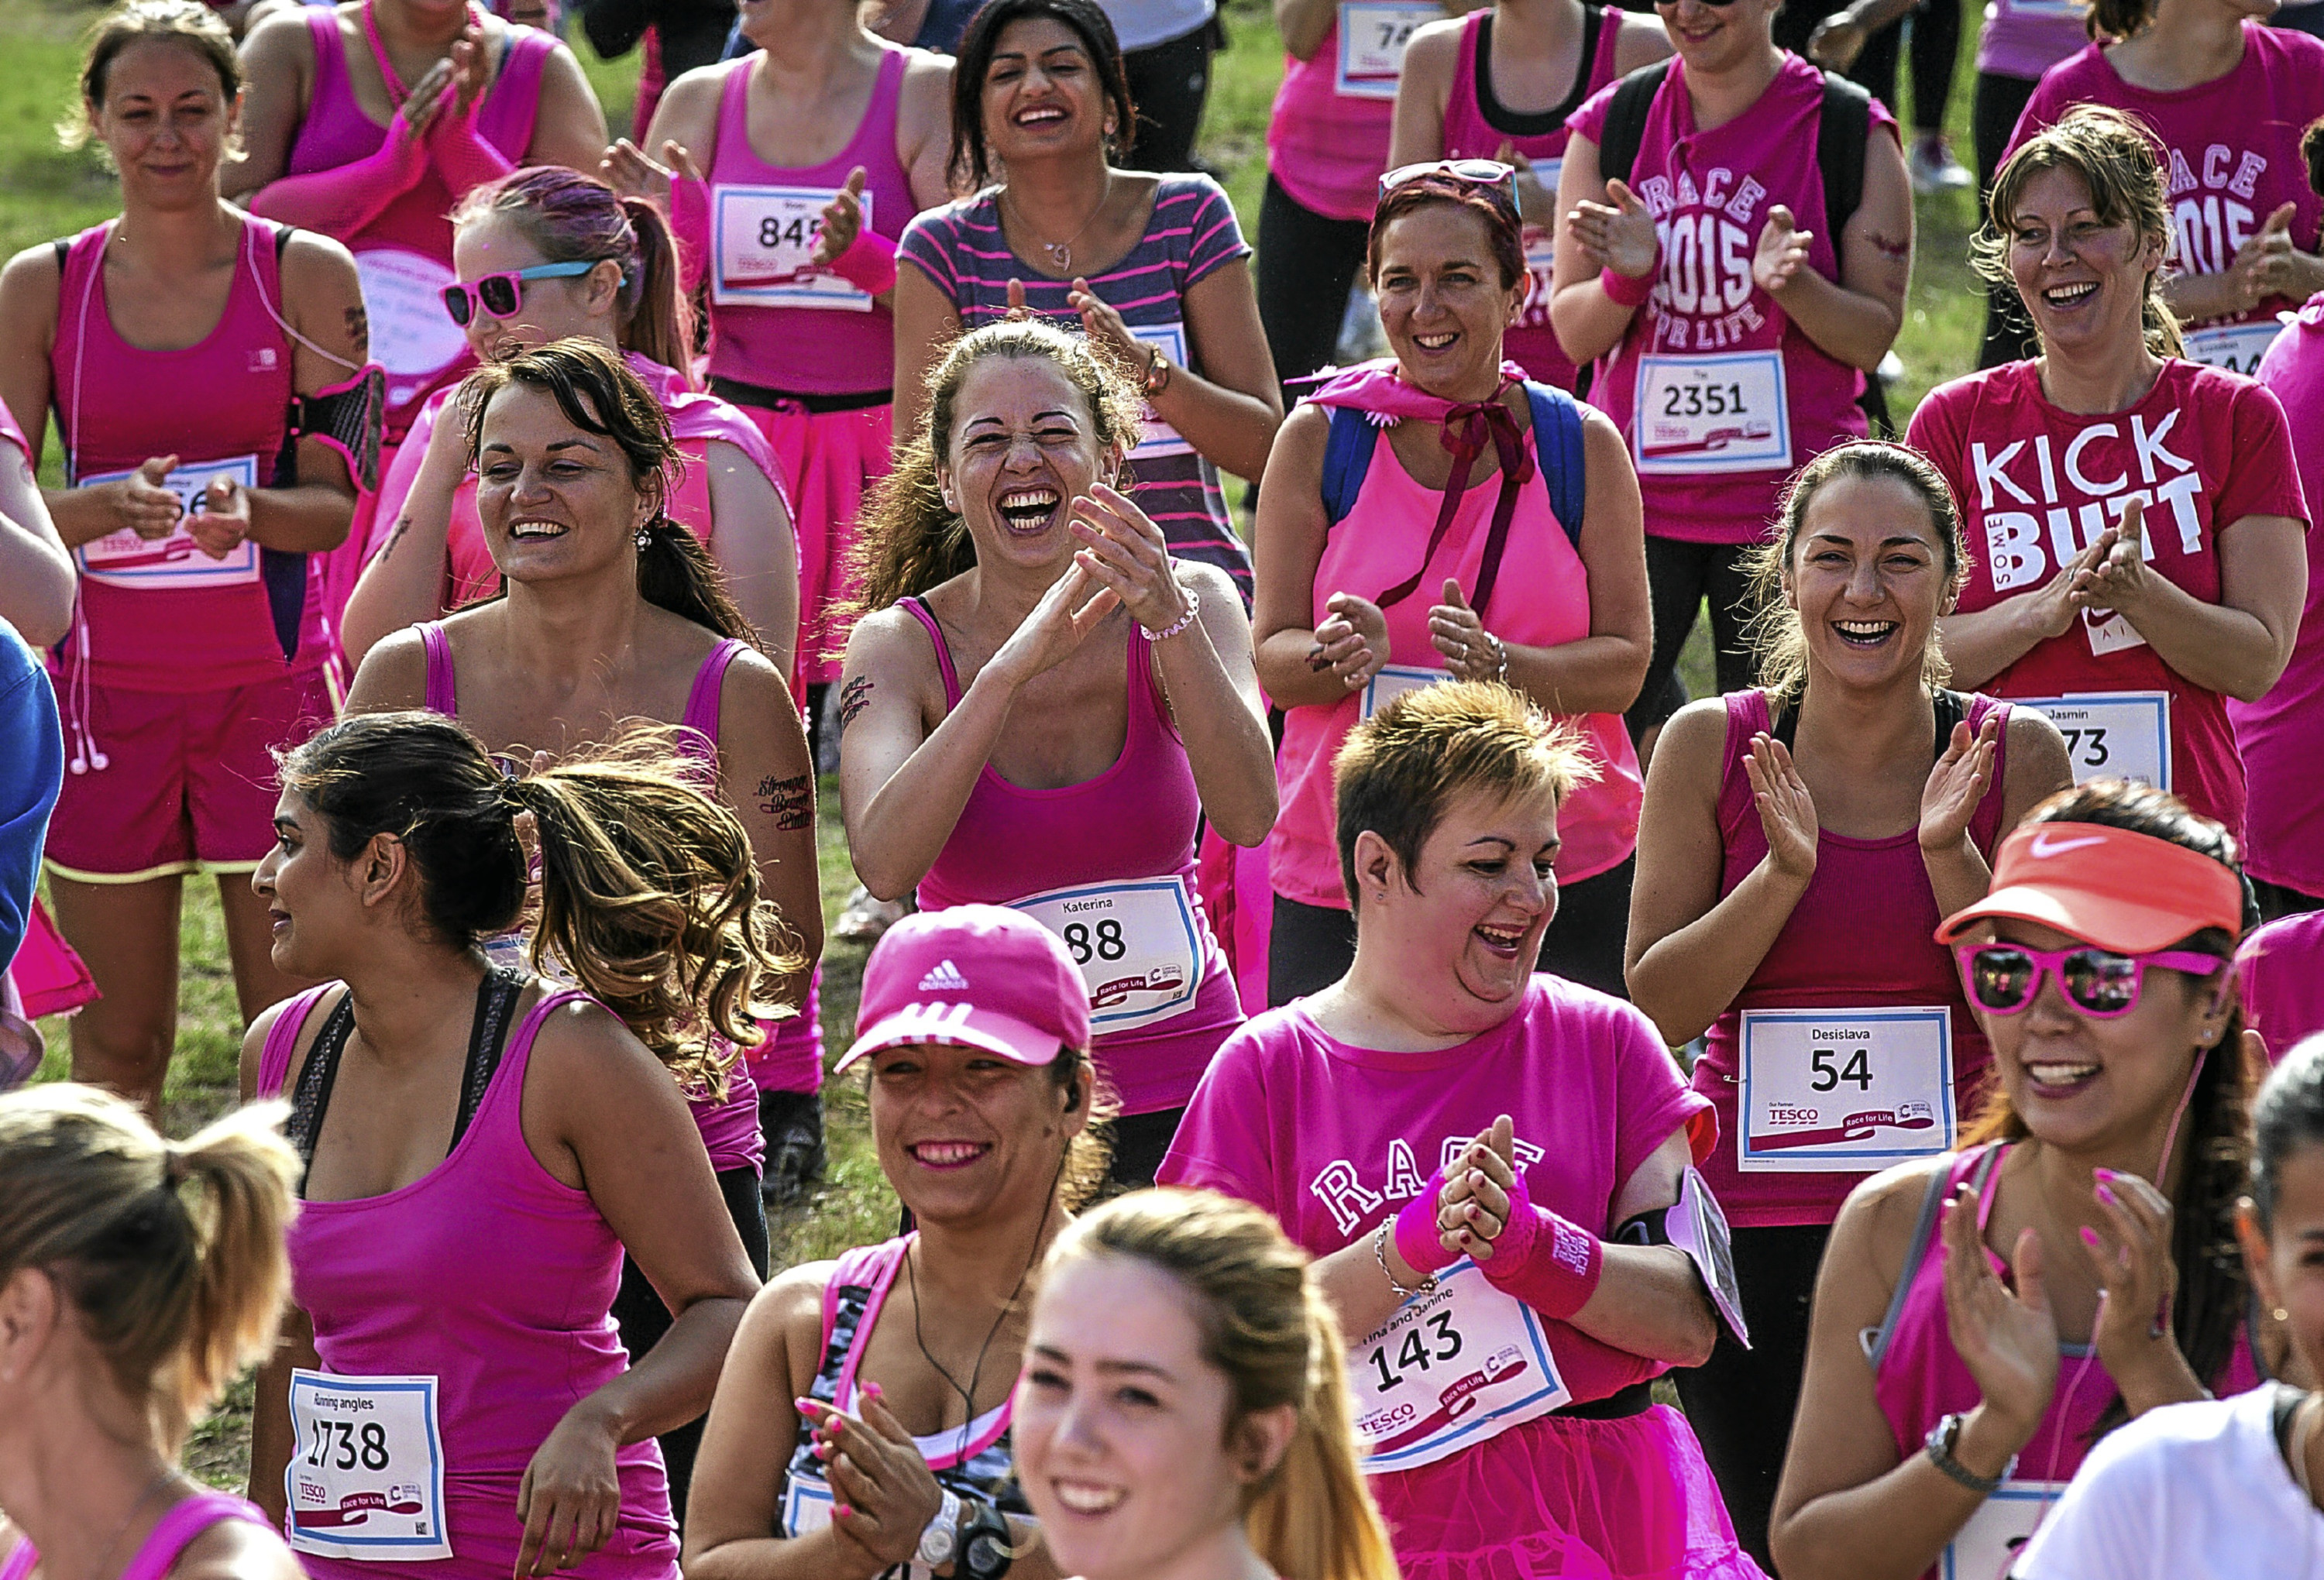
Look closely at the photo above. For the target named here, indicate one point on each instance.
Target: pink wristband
(1547, 1262)
(1623, 290)
(869, 264)
(1418, 1240)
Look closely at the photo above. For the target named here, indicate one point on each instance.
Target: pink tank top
(1863, 935)
(1327, 149)
(1476, 124)
(497, 1279)
(1919, 1378)
(1542, 598)
(842, 343)
(1709, 341)
(172, 1535)
(730, 1127)
(1130, 829)
(163, 616)
(405, 255)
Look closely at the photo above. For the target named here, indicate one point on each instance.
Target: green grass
(47, 192)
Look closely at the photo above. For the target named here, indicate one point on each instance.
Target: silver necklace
(169, 1474)
(1061, 253)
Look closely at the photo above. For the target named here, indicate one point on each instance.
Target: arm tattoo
(402, 525)
(853, 698)
(359, 329)
(789, 801)
(1888, 248)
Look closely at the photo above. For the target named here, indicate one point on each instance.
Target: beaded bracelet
(1193, 607)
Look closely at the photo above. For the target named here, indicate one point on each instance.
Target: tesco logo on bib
(2044, 502)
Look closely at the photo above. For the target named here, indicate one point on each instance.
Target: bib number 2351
(1729, 412)
(367, 1475)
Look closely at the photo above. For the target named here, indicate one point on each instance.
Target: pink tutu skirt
(1629, 1498)
(832, 459)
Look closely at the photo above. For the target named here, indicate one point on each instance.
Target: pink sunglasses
(2005, 977)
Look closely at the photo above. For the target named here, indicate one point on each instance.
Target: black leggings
(1306, 266)
(1935, 51)
(1741, 1401)
(1875, 65)
(1994, 105)
(1312, 946)
(642, 1318)
(1170, 83)
(1680, 575)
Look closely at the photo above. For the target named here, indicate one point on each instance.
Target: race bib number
(1372, 37)
(1161, 439)
(411, 335)
(807, 1504)
(2112, 735)
(764, 240)
(2237, 347)
(1844, 1090)
(176, 562)
(1999, 1531)
(367, 1475)
(1728, 412)
(1455, 1366)
(1140, 946)
(1393, 681)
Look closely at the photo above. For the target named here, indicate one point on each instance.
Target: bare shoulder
(1642, 40)
(280, 40)
(583, 1051)
(753, 698)
(1695, 739)
(1873, 1235)
(925, 71)
(312, 261)
(891, 644)
(2037, 759)
(1433, 50)
(236, 1550)
(393, 676)
(30, 275)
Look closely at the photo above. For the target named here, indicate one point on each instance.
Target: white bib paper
(365, 1479)
(1396, 679)
(175, 563)
(1137, 942)
(763, 239)
(1455, 1366)
(1843, 1090)
(1540, 253)
(2119, 735)
(1373, 34)
(1999, 1531)
(1727, 412)
(411, 335)
(2237, 347)
(1161, 439)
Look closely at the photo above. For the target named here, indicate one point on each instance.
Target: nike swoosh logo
(2044, 845)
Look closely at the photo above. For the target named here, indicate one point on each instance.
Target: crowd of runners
(1351, 1038)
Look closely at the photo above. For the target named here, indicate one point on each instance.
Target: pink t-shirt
(2232, 158)
(1476, 124)
(1540, 597)
(2024, 38)
(1709, 341)
(1332, 1139)
(2201, 451)
(2282, 735)
(2278, 966)
(1325, 148)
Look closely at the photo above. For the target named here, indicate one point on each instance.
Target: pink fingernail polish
(2106, 1194)
(2090, 1237)
(841, 1512)
(873, 1391)
(2106, 1174)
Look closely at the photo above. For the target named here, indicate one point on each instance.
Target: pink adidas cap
(979, 975)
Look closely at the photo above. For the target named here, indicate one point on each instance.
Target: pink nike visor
(2127, 892)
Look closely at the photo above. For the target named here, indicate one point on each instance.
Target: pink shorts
(188, 780)
(832, 459)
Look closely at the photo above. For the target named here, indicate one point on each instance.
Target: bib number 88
(1414, 1352)
(1858, 1068)
(1109, 944)
(366, 1448)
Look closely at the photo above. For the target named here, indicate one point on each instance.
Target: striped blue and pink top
(1191, 233)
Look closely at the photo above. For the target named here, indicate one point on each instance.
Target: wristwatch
(942, 1536)
(1939, 1443)
(985, 1549)
(1157, 372)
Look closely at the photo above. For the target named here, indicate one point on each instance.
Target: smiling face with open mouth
(2083, 280)
(1042, 95)
(1024, 446)
(2088, 1083)
(1718, 38)
(1442, 301)
(555, 500)
(1868, 580)
(1466, 923)
(1121, 1428)
(965, 1134)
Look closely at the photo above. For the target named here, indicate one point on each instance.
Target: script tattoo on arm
(402, 525)
(1890, 248)
(359, 329)
(789, 801)
(853, 698)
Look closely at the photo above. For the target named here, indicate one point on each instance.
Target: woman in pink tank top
(1376, 582)
(615, 282)
(593, 630)
(142, 1275)
(1983, 1316)
(462, 1226)
(1798, 848)
(755, 155)
(368, 120)
(184, 351)
(1464, 93)
(1043, 702)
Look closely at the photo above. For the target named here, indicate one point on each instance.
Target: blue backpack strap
(1347, 456)
(1557, 450)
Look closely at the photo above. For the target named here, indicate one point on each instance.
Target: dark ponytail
(658, 321)
(676, 573)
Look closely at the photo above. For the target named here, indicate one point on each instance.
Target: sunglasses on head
(2005, 977)
(502, 295)
(1486, 174)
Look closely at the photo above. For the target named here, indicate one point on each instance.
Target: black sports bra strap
(312, 1096)
(1949, 708)
(488, 1036)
